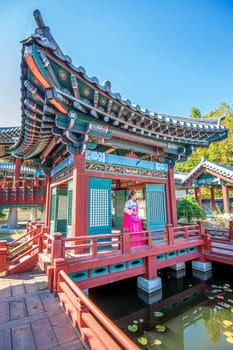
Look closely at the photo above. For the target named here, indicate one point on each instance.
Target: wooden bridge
(76, 264)
(23, 192)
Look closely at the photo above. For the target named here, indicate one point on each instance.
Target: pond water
(191, 315)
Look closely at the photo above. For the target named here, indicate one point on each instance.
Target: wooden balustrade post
(201, 228)
(207, 242)
(186, 232)
(94, 247)
(125, 241)
(170, 233)
(59, 264)
(50, 273)
(28, 225)
(231, 230)
(81, 308)
(57, 247)
(3, 256)
(149, 239)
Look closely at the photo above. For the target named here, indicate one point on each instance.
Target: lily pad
(142, 340)
(227, 323)
(158, 314)
(132, 328)
(229, 340)
(157, 342)
(160, 328)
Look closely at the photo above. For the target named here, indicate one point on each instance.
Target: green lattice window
(100, 203)
(69, 213)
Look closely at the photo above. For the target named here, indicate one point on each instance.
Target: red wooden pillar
(48, 201)
(225, 199)
(80, 197)
(18, 162)
(198, 195)
(212, 196)
(172, 196)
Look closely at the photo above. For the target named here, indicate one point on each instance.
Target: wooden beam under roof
(110, 150)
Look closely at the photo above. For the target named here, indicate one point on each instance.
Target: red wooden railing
(22, 249)
(90, 247)
(96, 329)
(221, 233)
(23, 192)
(218, 244)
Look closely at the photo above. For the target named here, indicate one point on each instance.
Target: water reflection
(192, 315)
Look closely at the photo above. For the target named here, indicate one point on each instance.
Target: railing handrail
(23, 254)
(99, 315)
(122, 243)
(10, 244)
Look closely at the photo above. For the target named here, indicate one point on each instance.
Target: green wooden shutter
(69, 208)
(120, 198)
(155, 206)
(100, 206)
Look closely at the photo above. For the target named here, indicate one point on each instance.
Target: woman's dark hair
(131, 194)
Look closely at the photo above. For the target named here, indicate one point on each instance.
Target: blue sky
(165, 55)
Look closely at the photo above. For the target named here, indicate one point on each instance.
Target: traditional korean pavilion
(94, 146)
(213, 176)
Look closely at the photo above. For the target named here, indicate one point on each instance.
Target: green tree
(218, 152)
(2, 214)
(195, 113)
(189, 209)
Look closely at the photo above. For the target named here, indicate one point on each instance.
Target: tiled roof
(50, 113)
(9, 135)
(222, 170)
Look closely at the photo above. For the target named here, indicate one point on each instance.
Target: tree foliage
(218, 152)
(195, 113)
(189, 209)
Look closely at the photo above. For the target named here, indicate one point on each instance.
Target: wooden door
(156, 206)
(100, 206)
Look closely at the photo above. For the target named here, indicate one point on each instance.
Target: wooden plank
(5, 291)
(27, 319)
(48, 301)
(30, 286)
(5, 339)
(62, 328)
(18, 289)
(43, 334)
(18, 309)
(34, 304)
(4, 313)
(74, 345)
(22, 338)
(41, 282)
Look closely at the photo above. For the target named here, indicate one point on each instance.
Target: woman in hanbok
(131, 220)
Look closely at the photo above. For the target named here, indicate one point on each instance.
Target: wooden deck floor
(30, 316)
